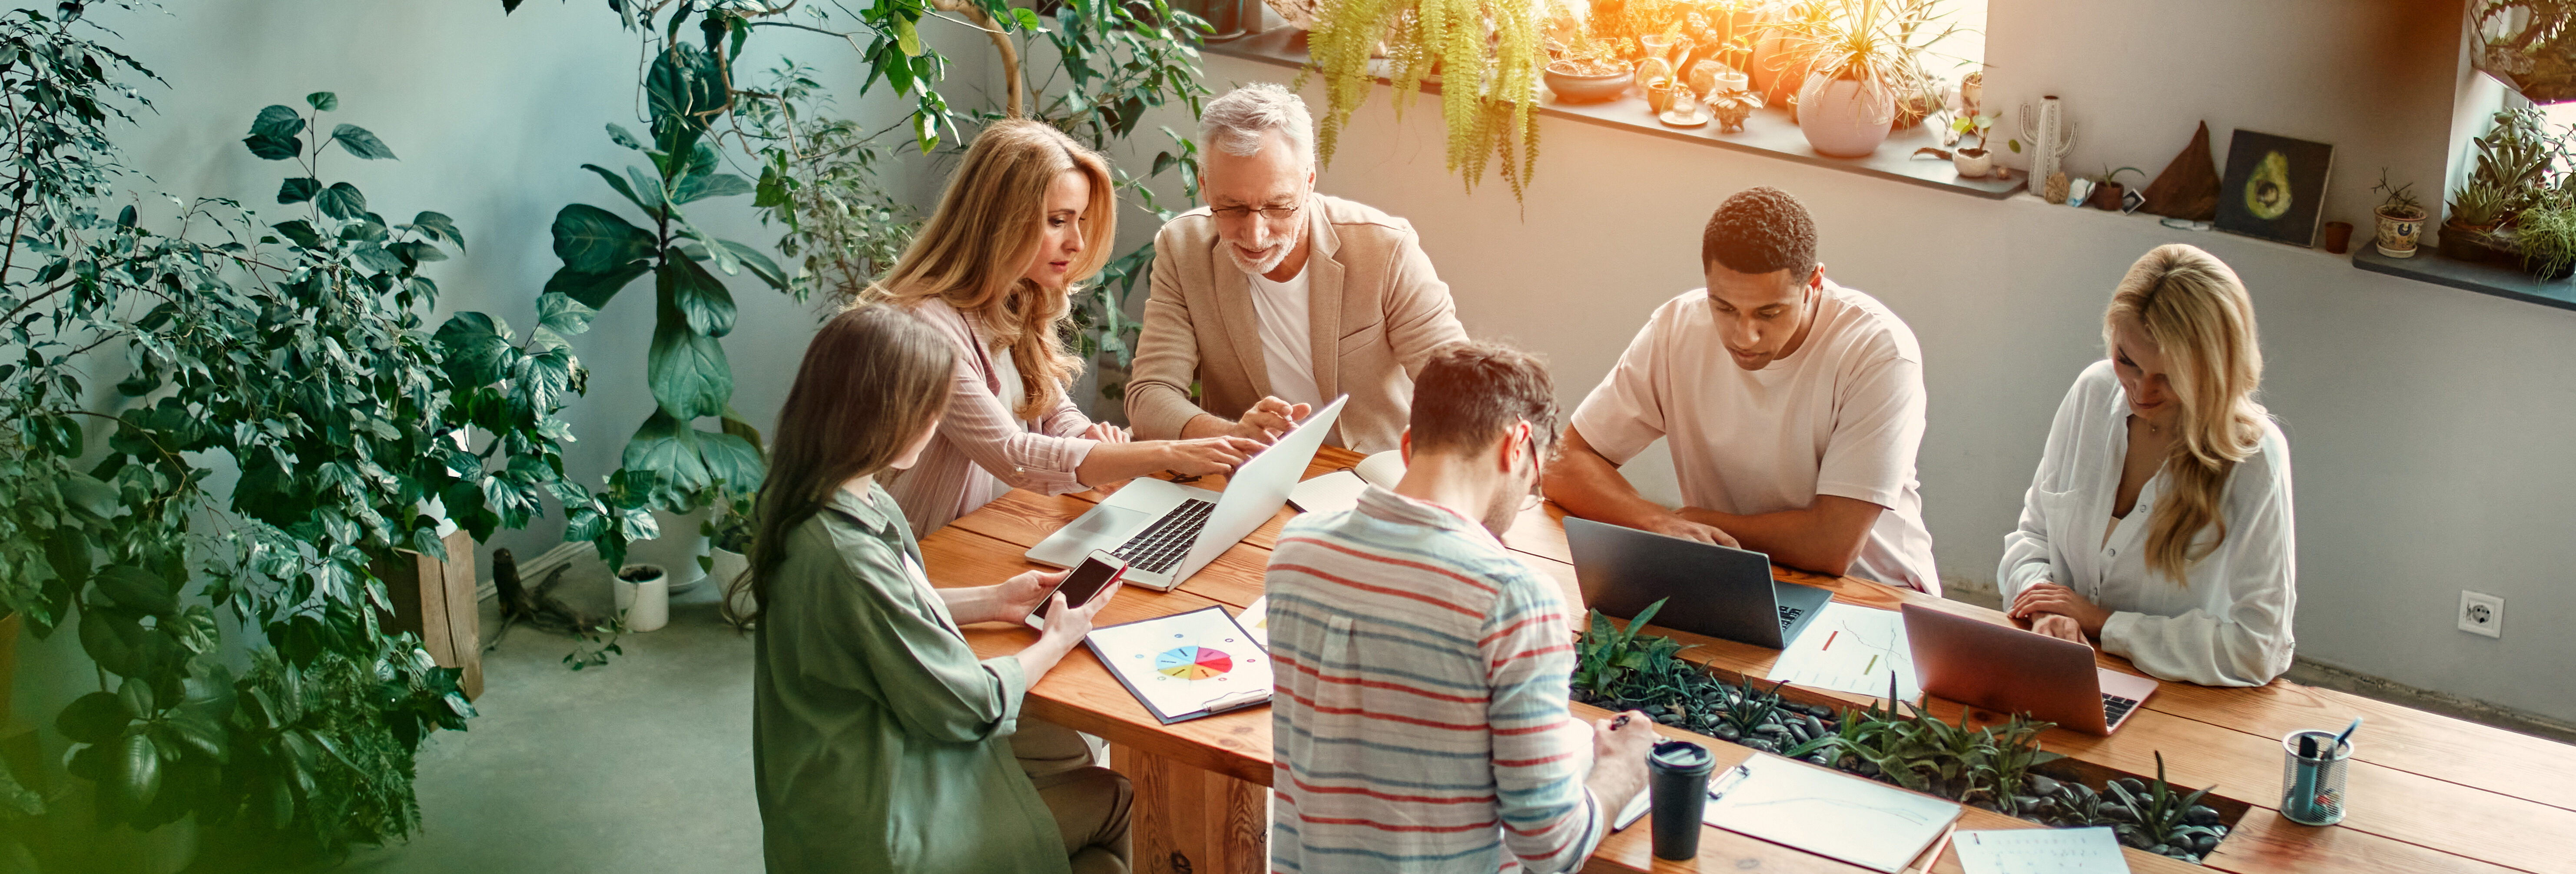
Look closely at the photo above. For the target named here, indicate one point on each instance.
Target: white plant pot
(725, 566)
(646, 603)
(1973, 166)
(1845, 119)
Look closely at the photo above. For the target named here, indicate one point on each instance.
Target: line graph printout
(2041, 851)
(1830, 814)
(1850, 648)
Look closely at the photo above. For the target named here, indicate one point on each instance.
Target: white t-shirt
(1287, 344)
(1841, 416)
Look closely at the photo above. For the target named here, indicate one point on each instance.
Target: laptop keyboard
(1164, 543)
(1789, 616)
(2114, 708)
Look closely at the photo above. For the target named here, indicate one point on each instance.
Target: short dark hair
(1760, 230)
(1471, 391)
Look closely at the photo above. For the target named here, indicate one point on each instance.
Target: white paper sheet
(2041, 851)
(1255, 620)
(1851, 648)
(1331, 493)
(1830, 814)
(1186, 662)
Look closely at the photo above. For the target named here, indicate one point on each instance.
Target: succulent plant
(2159, 819)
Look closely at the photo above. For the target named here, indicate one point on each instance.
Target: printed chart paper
(1869, 824)
(1186, 664)
(2041, 851)
(1850, 648)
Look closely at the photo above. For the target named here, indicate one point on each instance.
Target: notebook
(1830, 814)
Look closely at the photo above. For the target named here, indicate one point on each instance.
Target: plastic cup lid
(1682, 755)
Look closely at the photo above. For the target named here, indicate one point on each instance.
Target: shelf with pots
(2511, 230)
(1743, 94)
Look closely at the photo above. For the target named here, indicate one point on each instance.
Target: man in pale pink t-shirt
(1793, 408)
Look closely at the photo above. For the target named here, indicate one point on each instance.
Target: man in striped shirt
(1420, 719)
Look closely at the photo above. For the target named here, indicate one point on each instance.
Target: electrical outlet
(2481, 613)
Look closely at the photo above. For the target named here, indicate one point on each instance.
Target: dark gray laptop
(1710, 590)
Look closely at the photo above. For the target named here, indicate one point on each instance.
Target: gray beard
(1278, 253)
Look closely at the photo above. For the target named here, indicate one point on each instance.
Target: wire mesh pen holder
(2312, 786)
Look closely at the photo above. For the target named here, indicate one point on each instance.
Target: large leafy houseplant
(292, 352)
(1489, 57)
(818, 179)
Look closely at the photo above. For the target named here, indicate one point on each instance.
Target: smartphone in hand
(1079, 587)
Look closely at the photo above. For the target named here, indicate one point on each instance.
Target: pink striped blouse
(979, 435)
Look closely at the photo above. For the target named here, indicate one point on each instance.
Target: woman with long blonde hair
(880, 741)
(1027, 217)
(2160, 520)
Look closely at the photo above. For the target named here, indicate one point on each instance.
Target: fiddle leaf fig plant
(669, 463)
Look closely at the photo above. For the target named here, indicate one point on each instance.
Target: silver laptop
(1167, 532)
(1999, 667)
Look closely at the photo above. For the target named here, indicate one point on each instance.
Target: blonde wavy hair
(2201, 318)
(974, 250)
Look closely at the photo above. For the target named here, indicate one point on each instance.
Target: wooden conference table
(2428, 793)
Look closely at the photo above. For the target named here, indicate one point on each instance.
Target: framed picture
(2275, 187)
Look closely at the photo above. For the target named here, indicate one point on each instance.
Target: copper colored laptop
(2002, 668)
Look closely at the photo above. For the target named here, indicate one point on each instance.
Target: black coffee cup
(1677, 778)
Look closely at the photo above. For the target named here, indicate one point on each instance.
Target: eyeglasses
(1276, 214)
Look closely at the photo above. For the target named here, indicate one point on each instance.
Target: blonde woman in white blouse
(2160, 520)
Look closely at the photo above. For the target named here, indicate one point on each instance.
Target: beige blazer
(1375, 310)
(979, 435)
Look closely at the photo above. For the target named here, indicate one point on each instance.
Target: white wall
(2426, 423)
(493, 117)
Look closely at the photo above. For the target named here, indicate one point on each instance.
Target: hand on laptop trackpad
(1104, 520)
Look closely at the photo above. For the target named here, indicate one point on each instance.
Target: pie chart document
(1186, 665)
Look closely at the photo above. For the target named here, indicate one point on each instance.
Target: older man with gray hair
(1272, 300)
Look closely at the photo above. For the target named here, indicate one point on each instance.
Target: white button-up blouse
(2230, 626)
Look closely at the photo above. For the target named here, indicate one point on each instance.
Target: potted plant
(2469, 233)
(2545, 238)
(2401, 218)
(728, 542)
(1776, 64)
(1974, 162)
(1589, 71)
(1862, 57)
(2107, 190)
(643, 596)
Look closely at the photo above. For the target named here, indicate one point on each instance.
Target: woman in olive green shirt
(879, 741)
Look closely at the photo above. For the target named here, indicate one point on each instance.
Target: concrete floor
(638, 767)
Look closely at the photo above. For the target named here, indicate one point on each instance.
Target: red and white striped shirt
(1420, 721)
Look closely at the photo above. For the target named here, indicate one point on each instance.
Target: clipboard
(1186, 665)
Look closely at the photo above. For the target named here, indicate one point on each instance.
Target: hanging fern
(1490, 55)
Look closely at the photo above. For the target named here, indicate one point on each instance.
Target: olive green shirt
(879, 742)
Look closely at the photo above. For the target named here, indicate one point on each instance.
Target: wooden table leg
(1190, 821)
